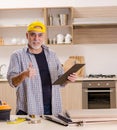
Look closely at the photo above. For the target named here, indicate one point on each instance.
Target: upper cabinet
(59, 25)
(95, 25)
(90, 22)
(13, 24)
(65, 25)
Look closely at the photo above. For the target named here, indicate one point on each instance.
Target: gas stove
(101, 76)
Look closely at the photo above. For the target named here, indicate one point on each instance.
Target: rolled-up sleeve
(13, 69)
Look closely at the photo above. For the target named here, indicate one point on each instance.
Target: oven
(98, 94)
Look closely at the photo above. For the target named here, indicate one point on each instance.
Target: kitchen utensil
(63, 19)
(68, 38)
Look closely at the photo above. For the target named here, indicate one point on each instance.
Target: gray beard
(33, 47)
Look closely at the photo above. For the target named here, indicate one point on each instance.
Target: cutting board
(73, 60)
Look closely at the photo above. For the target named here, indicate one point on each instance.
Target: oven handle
(101, 91)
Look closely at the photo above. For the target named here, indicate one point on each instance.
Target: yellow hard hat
(36, 26)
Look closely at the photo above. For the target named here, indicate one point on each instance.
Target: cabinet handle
(101, 91)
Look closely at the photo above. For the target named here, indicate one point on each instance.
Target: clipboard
(63, 78)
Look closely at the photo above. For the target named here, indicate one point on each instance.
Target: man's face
(35, 39)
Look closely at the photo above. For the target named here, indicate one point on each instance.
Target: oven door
(98, 98)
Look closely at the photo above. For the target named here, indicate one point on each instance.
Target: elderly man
(32, 70)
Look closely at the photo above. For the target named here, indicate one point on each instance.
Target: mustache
(35, 41)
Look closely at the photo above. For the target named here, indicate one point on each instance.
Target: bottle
(50, 20)
(1, 41)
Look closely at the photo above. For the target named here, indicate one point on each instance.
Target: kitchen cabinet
(59, 22)
(14, 22)
(8, 95)
(116, 93)
(83, 24)
(72, 96)
(95, 25)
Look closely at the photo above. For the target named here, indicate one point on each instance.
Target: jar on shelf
(60, 38)
(1, 41)
(50, 20)
(63, 19)
(68, 38)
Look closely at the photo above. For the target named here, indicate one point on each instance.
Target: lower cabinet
(116, 93)
(72, 96)
(8, 95)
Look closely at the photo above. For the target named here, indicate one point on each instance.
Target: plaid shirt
(29, 92)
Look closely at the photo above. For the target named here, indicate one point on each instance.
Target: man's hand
(72, 77)
(31, 72)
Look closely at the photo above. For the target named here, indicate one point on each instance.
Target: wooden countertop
(93, 79)
(80, 79)
(3, 80)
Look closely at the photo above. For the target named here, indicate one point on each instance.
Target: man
(32, 70)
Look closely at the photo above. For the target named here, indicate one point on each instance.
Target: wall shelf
(13, 26)
(95, 25)
(99, 21)
(14, 21)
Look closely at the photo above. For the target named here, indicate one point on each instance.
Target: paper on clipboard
(63, 78)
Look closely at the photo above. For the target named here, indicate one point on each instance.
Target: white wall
(46, 3)
(100, 58)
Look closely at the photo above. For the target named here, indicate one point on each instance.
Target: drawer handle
(101, 91)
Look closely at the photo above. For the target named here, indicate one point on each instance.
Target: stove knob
(98, 84)
(89, 84)
(107, 84)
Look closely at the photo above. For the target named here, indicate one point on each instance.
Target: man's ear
(27, 35)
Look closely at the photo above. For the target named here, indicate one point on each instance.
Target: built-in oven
(98, 94)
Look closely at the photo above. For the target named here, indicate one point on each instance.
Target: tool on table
(62, 120)
(16, 121)
(4, 111)
(54, 119)
(22, 119)
(35, 119)
(66, 119)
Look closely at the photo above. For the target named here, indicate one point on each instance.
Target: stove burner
(101, 76)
